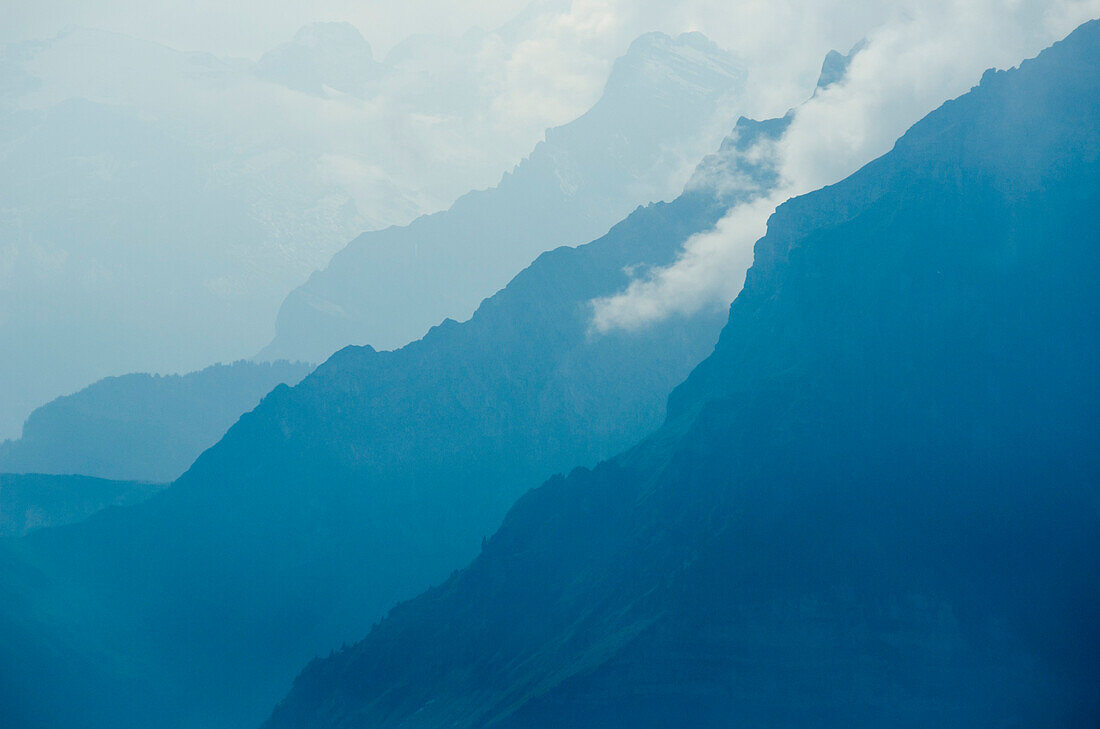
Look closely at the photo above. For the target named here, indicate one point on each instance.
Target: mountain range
(160, 204)
(370, 480)
(871, 503)
(142, 427)
(874, 504)
(388, 287)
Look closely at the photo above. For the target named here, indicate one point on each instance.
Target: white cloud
(923, 54)
(699, 278)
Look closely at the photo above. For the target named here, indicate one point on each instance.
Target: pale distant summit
(661, 75)
(321, 57)
(656, 42)
(331, 35)
(690, 62)
(160, 203)
(835, 66)
(693, 47)
(667, 102)
(832, 69)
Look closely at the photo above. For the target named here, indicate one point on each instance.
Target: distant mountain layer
(158, 204)
(32, 501)
(323, 57)
(389, 287)
(142, 427)
(375, 477)
(876, 504)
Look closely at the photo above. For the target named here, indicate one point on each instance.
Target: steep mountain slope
(876, 504)
(373, 478)
(32, 501)
(159, 204)
(388, 287)
(142, 427)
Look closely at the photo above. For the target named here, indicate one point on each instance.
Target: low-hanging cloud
(925, 53)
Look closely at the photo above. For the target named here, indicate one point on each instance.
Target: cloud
(698, 279)
(923, 54)
(248, 27)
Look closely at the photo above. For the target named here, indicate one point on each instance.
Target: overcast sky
(248, 27)
(784, 39)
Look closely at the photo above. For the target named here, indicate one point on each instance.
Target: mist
(202, 180)
(924, 54)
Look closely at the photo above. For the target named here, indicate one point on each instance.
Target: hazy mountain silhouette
(32, 501)
(875, 504)
(159, 204)
(375, 477)
(388, 287)
(157, 212)
(142, 427)
(323, 56)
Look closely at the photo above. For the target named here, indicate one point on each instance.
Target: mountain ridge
(582, 178)
(30, 501)
(873, 505)
(374, 477)
(142, 427)
(162, 203)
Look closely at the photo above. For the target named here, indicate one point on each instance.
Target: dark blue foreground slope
(877, 504)
(374, 478)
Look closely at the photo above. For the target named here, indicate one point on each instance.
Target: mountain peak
(835, 65)
(332, 35)
(581, 179)
(322, 55)
(658, 41)
(690, 60)
(661, 46)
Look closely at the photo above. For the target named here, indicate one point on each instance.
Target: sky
(572, 52)
(247, 27)
(782, 40)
